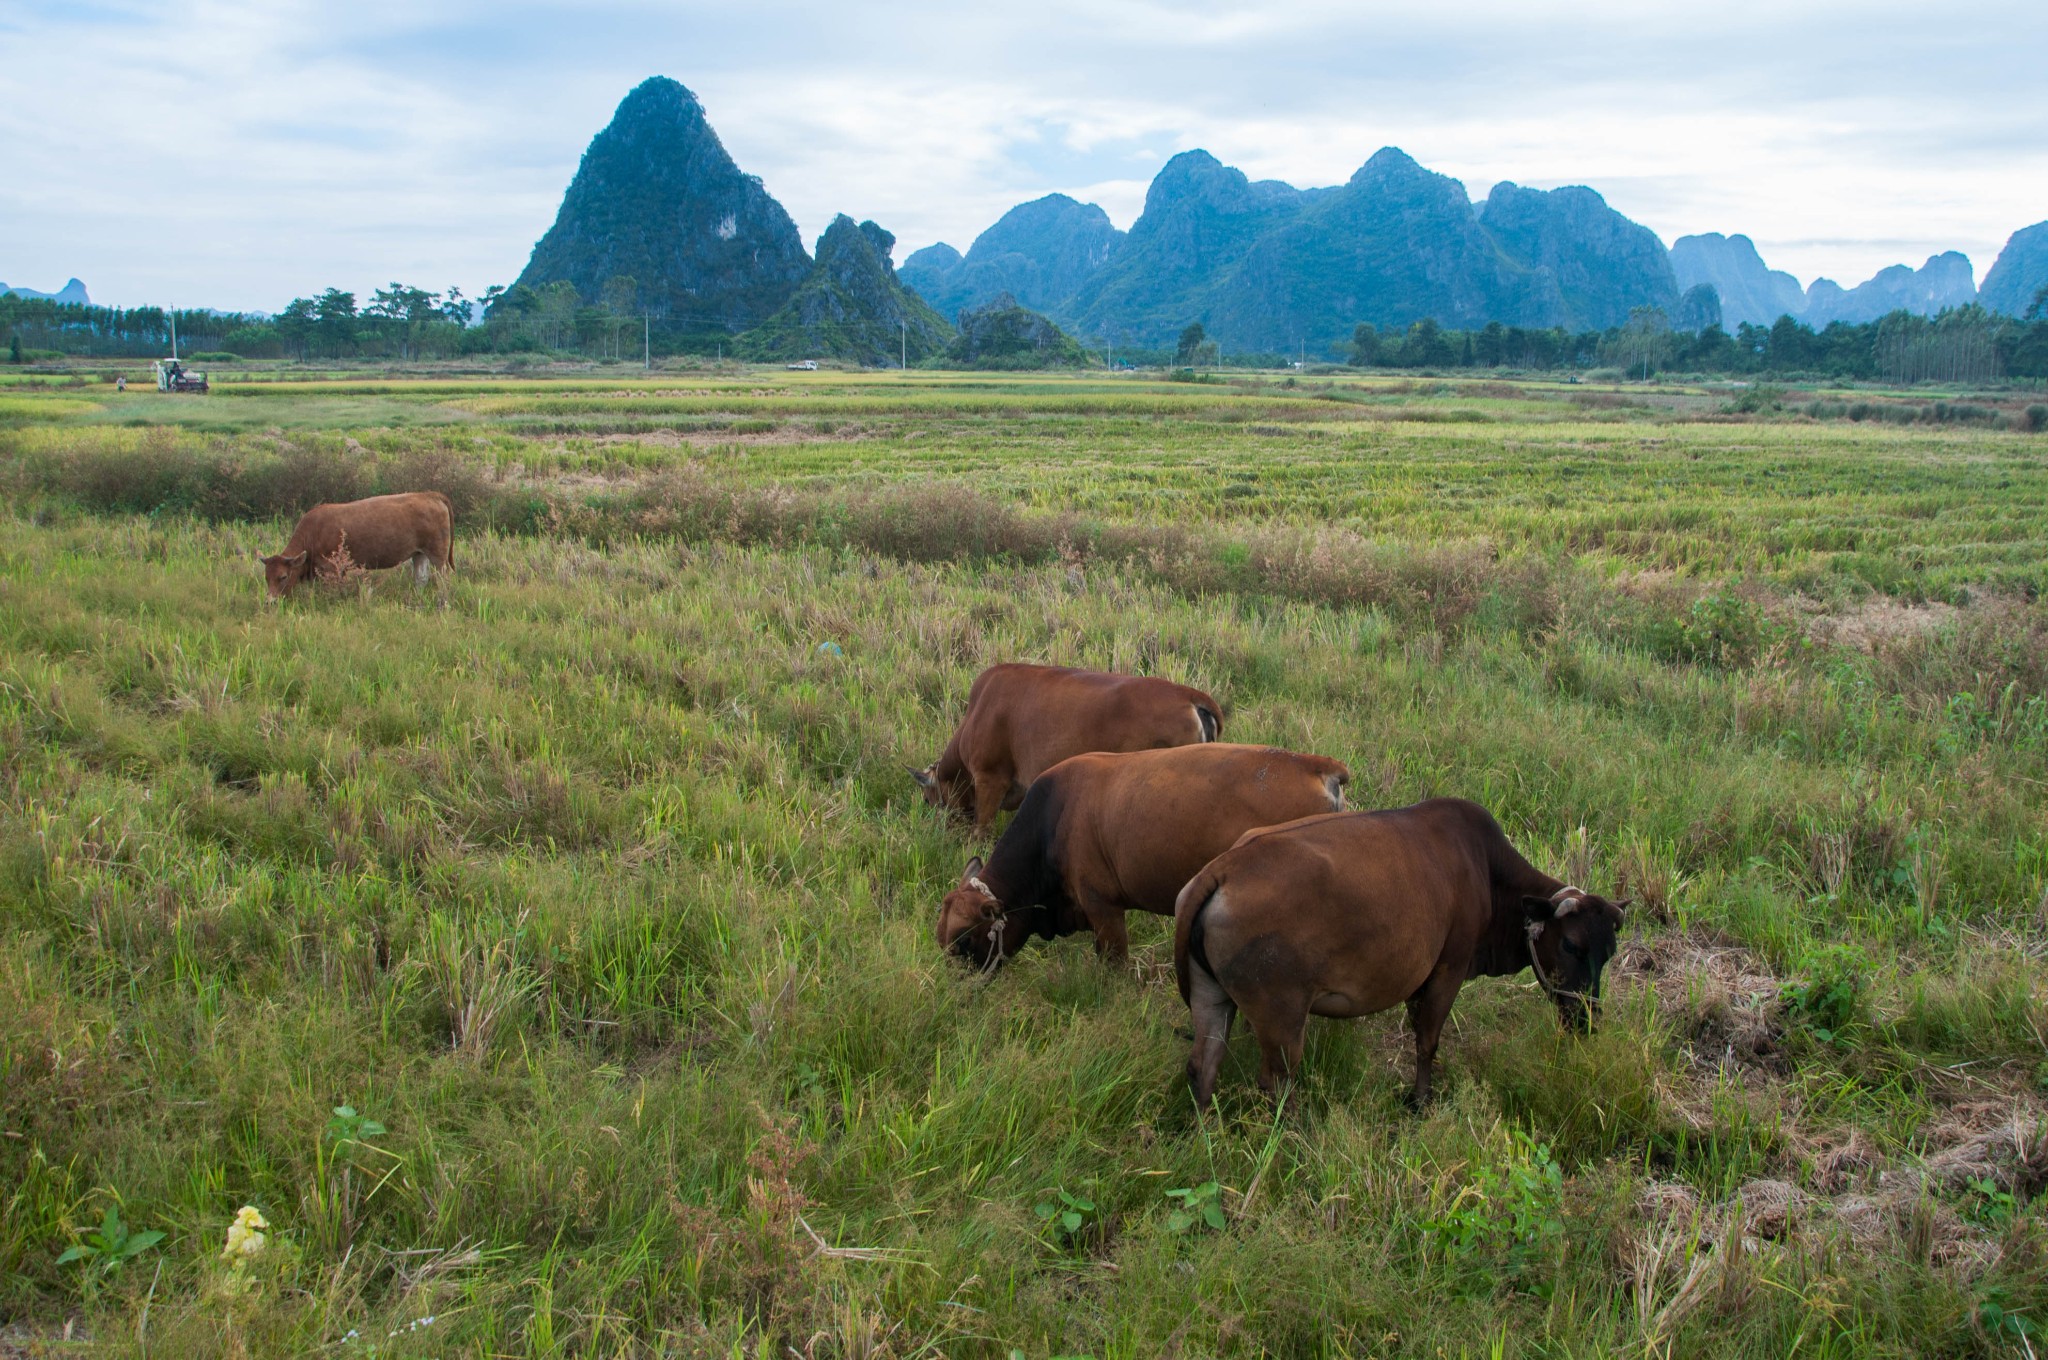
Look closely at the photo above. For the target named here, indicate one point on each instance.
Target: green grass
(595, 882)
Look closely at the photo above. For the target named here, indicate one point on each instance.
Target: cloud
(236, 155)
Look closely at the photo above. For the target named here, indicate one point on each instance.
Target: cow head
(281, 573)
(1571, 937)
(972, 924)
(953, 795)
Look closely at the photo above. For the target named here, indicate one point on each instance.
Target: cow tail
(1211, 721)
(1188, 945)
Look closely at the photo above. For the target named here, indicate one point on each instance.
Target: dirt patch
(1689, 1248)
(1998, 1139)
(1723, 999)
(23, 1341)
(1880, 620)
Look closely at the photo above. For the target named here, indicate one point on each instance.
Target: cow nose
(1578, 1013)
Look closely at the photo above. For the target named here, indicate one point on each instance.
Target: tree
(336, 313)
(404, 310)
(1365, 345)
(1491, 347)
(1425, 345)
(1190, 343)
(556, 313)
(14, 349)
(2037, 310)
(296, 324)
(620, 300)
(1643, 341)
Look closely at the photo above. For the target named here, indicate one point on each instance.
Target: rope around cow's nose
(995, 939)
(996, 925)
(1550, 989)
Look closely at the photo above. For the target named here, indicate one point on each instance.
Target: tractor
(172, 376)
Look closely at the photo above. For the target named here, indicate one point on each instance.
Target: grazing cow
(1349, 914)
(1022, 720)
(383, 531)
(1102, 834)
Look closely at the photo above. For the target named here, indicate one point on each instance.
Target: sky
(231, 154)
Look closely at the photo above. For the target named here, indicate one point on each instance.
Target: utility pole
(903, 361)
(173, 315)
(646, 342)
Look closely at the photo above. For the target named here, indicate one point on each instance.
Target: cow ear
(297, 560)
(1538, 908)
(973, 870)
(923, 777)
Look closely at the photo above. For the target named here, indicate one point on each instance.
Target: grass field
(547, 952)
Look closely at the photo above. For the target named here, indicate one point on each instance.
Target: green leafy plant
(1511, 1210)
(1068, 1215)
(2006, 1323)
(345, 1126)
(112, 1246)
(1830, 1000)
(1198, 1204)
(341, 1194)
(1990, 1204)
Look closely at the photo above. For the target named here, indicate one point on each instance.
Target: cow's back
(1147, 821)
(1378, 897)
(379, 531)
(1033, 717)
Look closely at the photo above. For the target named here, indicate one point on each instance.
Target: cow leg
(1213, 1012)
(991, 787)
(1112, 936)
(1281, 1024)
(1427, 1011)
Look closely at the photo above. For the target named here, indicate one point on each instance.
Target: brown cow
(382, 531)
(1348, 914)
(1102, 834)
(1022, 720)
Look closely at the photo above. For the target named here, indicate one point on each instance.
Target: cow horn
(923, 777)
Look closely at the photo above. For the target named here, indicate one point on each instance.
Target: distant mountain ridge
(1262, 265)
(2020, 272)
(851, 306)
(656, 199)
(1752, 294)
(72, 292)
(1039, 253)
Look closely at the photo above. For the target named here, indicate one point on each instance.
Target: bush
(462, 480)
(1760, 398)
(214, 356)
(2037, 418)
(1719, 629)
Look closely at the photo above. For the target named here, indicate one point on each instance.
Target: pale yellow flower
(246, 1235)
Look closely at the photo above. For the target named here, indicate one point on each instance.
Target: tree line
(405, 322)
(1960, 344)
(402, 321)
